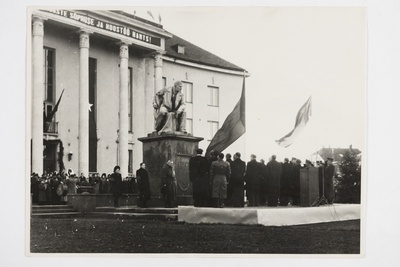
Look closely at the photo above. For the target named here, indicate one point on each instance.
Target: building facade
(93, 78)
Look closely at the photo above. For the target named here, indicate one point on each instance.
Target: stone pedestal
(157, 150)
(309, 186)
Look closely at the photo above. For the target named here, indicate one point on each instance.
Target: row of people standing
(210, 178)
(269, 184)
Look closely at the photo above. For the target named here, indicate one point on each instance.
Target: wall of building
(230, 89)
(66, 44)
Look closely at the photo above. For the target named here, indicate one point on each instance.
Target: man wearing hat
(253, 181)
(198, 170)
(285, 183)
(328, 180)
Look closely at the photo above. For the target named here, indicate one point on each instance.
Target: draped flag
(302, 118)
(234, 126)
(150, 14)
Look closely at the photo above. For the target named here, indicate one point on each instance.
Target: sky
(292, 53)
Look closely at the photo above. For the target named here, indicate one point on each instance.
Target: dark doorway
(92, 115)
(50, 157)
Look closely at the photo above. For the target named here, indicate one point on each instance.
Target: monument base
(157, 150)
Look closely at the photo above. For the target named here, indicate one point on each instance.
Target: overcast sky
(292, 53)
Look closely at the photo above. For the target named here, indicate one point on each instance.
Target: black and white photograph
(142, 129)
(163, 132)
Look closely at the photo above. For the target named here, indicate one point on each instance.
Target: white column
(84, 103)
(37, 95)
(123, 109)
(158, 65)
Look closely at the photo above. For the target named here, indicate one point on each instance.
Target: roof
(196, 54)
(336, 153)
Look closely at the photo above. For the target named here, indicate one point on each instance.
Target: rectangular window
(49, 75)
(189, 126)
(214, 96)
(214, 126)
(130, 100)
(164, 82)
(130, 161)
(188, 91)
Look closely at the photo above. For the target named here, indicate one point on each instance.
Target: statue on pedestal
(169, 105)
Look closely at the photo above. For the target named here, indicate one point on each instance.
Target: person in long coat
(144, 185)
(253, 181)
(228, 158)
(116, 185)
(35, 182)
(328, 180)
(285, 189)
(296, 183)
(274, 172)
(263, 184)
(220, 172)
(238, 169)
(198, 166)
(210, 160)
(169, 185)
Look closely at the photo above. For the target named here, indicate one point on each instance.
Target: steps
(50, 211)
(124, 212)
(136, 213)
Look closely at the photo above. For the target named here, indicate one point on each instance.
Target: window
(130, 161)
(188, 91)
(214, 125)
(164, 82)
(49, 75)
(181, 49)
(189, 126)
(214, 96)
(130, 93)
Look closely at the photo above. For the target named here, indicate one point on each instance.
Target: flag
(49, 116)
(150, 14)
(234, 126)
(301, 121)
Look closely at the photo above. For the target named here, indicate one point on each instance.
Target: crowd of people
(218, 182)
(53, 188)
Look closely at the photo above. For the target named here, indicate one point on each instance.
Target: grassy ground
(94, 235)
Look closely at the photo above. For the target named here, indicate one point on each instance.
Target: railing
(50, 127)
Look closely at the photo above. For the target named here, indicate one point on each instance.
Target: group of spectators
(53, 188)
(218, 182)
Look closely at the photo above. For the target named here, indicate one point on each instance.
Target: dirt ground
(95, 235)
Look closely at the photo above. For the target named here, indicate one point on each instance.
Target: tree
(348, 187)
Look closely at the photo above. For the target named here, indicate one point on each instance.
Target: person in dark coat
(116, 185)
(321, 169)
(228, 158)
(253, 181)
(285, 189)
(144, 185)
(198, 171)
(210, 160)
(220, 172)
(274, 172)
(169, 185)
(264, 184)
(238, 169)
(35, 182)
(296, 183)
(328, 180)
